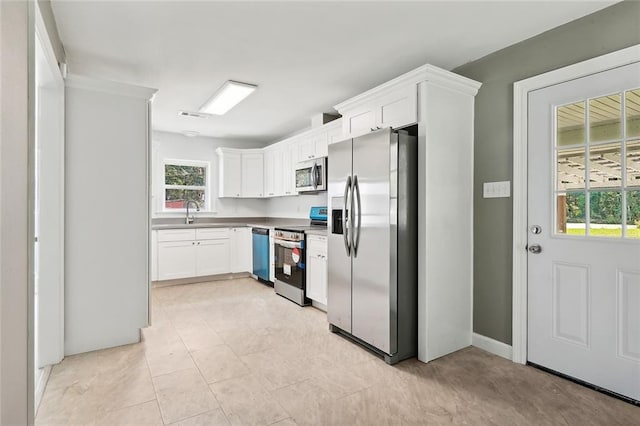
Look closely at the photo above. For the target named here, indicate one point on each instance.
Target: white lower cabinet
(241, 250)
(212, 257)
(317, 268)
(193, 253)
(176, 259)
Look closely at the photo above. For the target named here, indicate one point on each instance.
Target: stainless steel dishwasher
(261, 254)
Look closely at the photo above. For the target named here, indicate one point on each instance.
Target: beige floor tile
(142, 415)
(292, 370)
(212, 418)
(276, 371)
(246, 402)
(304, 401)
(164, 363)
(183, 394)
(219, 363)
(197, 335)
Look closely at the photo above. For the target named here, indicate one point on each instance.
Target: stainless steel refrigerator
(372, 250)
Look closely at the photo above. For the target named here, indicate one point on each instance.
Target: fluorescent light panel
(229, 95)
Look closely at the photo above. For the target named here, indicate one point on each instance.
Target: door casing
(521, 91)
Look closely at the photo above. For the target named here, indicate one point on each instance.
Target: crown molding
(78, 81)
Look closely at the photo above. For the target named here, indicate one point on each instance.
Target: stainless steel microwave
(311, 176)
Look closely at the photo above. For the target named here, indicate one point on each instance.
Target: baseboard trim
(493, 346)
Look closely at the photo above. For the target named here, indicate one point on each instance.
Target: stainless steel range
(290, 258)
(290, 265)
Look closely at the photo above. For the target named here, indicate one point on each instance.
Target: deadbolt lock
(535, 229)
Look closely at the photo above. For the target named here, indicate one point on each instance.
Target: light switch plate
(496, 189)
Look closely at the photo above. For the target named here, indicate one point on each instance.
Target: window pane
(633, 113)
(605, 170)
(633, 214)
(184, 175)
(605, 122)
(177, 198)
(571, 213)
(605, 214)
(633, 163)
(571, 169)
(570, 122)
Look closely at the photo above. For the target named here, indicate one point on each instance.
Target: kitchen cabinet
(252, 174)
(313, 146)
(240, 173)
(229, 173)
(394, 105)
(184, 253)
(154, 255)
(274, 171)
(176, 259)
(289, 161)
(241, 250)
(317, 268)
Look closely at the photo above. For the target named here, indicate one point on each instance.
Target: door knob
(535, 248)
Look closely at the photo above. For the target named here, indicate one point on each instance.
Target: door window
(599, 197)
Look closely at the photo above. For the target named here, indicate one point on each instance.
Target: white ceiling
(304, 56)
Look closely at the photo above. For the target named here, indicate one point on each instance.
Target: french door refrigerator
(372, 247)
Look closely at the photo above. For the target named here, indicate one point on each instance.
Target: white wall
(107, 214)
(15, 26)
(175, 146)
(294, 207)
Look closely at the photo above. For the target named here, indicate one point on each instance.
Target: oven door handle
(288, 244)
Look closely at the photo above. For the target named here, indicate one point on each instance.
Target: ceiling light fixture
(229, 95)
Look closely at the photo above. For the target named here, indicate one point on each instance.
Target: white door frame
(521, 91)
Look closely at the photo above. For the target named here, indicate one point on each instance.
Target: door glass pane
(633, 163)
(605, 214)
(570, 168)
(605, 122)
(570, 122)
(605, 170)
(177, 198)
(633, 113)
(633, 214)
(571, 213)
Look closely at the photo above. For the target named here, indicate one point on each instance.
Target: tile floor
(232, 352)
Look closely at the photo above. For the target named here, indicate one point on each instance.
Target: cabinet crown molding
(78, 81)
(427, 72)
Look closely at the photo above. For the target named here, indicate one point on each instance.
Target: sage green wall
(608, 30)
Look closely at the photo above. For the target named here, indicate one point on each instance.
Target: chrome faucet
(189, 220)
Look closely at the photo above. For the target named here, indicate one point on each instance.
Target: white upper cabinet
(313, 145)
(289, 161)
(229, 173)
(252, 174)
(274, 165)
(240, 173)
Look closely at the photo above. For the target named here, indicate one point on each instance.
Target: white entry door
(584, 229)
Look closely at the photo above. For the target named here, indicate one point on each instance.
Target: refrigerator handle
(356, 235)
(346, 225)
(314, 181)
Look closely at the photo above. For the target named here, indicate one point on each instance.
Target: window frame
(207, 186)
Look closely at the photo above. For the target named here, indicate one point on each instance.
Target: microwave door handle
(345, 223)
(358, 213)
(313, 176)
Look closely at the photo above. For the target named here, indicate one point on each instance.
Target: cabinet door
(335, 135)
(278, 165)
(176, 260)
(241, 250)
(320, 148)
(154, 255)
(286, 173)
(212, 257)
(360, 121)
(398, 109)
(252, 175)
(229, 175)
(317, 269)
(306, 149)
(270, 171)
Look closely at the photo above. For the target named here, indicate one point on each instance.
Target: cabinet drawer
(212, 233)
(176, 235)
